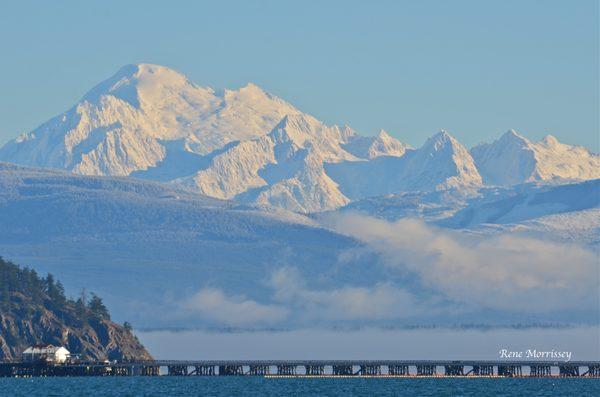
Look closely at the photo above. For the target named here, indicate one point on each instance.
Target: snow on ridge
(370, 147)
(513, 159)
(283, 168)
(443, 162)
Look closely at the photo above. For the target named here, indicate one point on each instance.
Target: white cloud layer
(510, 272)
(213, 304)
(381, 301)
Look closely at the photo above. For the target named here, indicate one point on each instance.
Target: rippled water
(234, 386)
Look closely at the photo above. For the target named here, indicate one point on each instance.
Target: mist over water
(422, 344)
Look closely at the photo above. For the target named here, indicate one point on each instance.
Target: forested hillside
(35, 310)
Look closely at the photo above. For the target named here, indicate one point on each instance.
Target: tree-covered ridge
(34, 310)
(44, 291)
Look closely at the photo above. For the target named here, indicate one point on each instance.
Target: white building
(48, 353)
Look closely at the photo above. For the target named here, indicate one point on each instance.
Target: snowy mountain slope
(546, 209)
(369, 147)
(441, 163)
(429, 206)
(527, 202)
(145, 244)
(581, 227)
(119, 126)
(283, 168)
(150, 122)
(513, 159)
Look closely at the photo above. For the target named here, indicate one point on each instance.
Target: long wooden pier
(308, 368)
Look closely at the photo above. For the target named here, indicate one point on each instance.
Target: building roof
(45, 349)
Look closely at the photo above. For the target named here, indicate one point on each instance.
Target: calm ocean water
(233, 386)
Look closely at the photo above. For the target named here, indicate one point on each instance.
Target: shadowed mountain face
(150, 122)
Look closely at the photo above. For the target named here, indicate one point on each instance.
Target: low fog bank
(512, 272)
(455, 344)
(417, 274)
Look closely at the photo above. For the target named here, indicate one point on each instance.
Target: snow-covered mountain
(122, 124)
(150, 122)
(369, 147)
(283, 168)
(513, 159)
(441, 163)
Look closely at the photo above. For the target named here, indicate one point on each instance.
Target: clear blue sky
(475, 68)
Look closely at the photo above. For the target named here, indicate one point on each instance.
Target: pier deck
(309, 368)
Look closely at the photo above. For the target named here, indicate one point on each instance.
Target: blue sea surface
(251, 386)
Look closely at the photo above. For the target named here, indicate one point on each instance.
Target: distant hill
(145, 245)
(34, 310)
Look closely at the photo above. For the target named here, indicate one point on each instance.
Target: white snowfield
(150, 122)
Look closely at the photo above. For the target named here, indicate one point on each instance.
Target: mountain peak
(126, 82)
(252, 87)
(157, 74)
(550, 140)
(370, 147)
(386, 145)
(252, 91)
(440, 163)
(513, 159)
(139, 71)
(443, 135)
(513, 136)
(347, 133)
(440, 139)
(382, 134)
(296, 128)
(445, 162)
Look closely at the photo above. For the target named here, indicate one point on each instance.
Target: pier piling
(426, 370)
